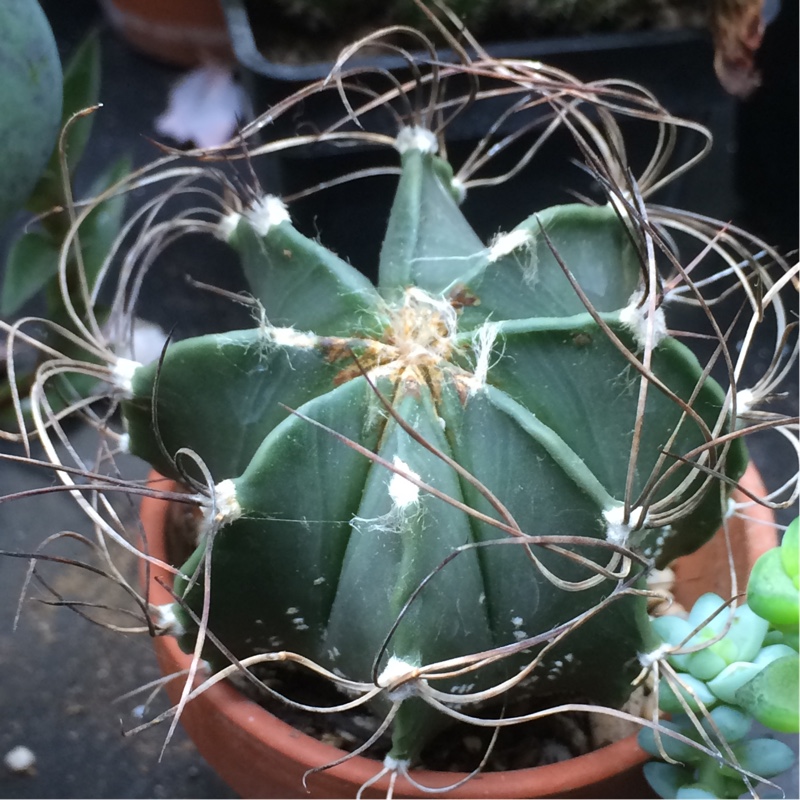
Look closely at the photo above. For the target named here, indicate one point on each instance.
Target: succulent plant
(747, 671)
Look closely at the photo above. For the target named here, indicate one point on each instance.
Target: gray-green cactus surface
(491, 356)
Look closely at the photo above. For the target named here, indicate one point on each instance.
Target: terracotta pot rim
(548, 780)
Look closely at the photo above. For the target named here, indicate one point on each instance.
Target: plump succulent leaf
(772, 695)
(771, 591)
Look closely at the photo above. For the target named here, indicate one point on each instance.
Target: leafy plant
(731, 669)
(442, 493)
(32, 265)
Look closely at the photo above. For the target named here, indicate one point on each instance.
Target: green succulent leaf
(772, 695)
(674, 748)
(764, 757)
(731, 723)
(790, 551)
(691, 690)
(667, 779)
(771, 592)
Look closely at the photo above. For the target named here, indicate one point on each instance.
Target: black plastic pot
(677, 66)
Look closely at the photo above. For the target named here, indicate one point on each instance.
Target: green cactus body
(488, 354)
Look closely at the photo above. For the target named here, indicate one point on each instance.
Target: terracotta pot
(258, 755)
(183, 32)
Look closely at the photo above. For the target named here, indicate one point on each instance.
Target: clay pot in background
(181, 32)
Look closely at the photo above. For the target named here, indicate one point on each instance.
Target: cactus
(507, 371)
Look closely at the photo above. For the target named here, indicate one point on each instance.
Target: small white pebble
(20, 760)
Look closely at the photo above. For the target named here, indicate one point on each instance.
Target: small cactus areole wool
(386, 450)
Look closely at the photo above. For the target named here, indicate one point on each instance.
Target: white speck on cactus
(746, 400)
(266, 213)
(227, 225)
(516, 622)
(289, 337)
(635, 317)
(318, 581)
(396, 764)
(403, 492)
(291, 611)
(506, 243)
(124, 443)
(460, 190)
(122, 373)
(520, 635)
(617, 530)
(227, 506)
(661, 652)
(416, 138)
(165, 619)
(299, 624)
(395, 671)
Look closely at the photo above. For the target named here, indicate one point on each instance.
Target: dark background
(60, 674)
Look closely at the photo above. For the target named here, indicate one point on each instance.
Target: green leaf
(674, 748)
(730, 722)
(725, 685)
(667, 779)
(428, 241)
(81, 90)
(764, 757)
(772, 695)
(30, 99)
(692, 689)
(301, 284)
(790, 551)
(771, 593)
(32, 262)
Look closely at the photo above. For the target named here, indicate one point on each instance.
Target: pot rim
(755, 535)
